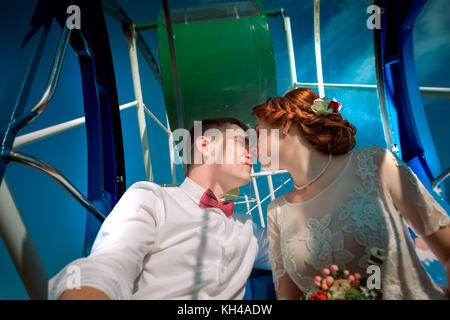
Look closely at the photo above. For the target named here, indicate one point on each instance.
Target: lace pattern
(367, 225)
(363, 218)
(425, 202)
(320, 239)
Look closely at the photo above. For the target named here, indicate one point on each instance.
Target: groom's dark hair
(220, 124)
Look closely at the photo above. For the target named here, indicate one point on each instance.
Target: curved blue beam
(398, 88)
(106, 167)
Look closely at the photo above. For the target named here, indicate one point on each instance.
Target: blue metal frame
(21, 79)
(399, 88)
(106, 166)
(106, 169)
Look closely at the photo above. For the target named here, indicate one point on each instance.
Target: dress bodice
(368, 205)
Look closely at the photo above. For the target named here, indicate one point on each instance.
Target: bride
(345, 203)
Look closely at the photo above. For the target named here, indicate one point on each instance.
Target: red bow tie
(209, 200)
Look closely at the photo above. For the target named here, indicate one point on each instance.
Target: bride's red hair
(328, 133)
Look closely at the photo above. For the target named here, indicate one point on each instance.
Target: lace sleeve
(275, 256)
(416, 205)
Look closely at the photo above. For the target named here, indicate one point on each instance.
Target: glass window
(432, 59)
(346, 42)
(432, 44)
(348, 58)
(234, 10)
(302, 27)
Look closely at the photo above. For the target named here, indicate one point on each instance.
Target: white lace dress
(369, 205)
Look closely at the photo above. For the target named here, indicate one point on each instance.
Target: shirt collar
(193, 190)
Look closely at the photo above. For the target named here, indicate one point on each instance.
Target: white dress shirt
(157, 243)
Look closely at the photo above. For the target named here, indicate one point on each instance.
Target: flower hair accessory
(325, 106)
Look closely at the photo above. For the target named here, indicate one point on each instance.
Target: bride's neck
(303, 162)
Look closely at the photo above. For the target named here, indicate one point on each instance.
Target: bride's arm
(417, 206)
(285, 288)
(439, 243)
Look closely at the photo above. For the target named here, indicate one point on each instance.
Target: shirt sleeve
(126, 236)
(275, 256)
(414, 202)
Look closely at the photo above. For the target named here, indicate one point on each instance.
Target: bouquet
(338, 284)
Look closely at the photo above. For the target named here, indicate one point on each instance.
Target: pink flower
(326, 271)
(357, 276)
(330, 280)
(317, 278)
(346, 273)
(334, 268)
(324, 286)
(351, 278)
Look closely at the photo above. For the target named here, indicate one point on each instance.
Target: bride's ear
(286, 127)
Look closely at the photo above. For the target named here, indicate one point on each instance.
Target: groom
(176, 242)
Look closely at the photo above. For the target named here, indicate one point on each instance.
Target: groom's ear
(203, 146)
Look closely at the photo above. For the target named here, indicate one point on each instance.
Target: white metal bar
(156, 120)
(270, 183)
(171, 152)
(435, 89)
(258, 202)
(171, 142)
(435, 92)
(247, 203)
(38, 135)
(436, 182)
(128, 105)
(131, 41)
(290, 49)
(172, 159)
(20, 245)
(439, 92)
(279, 187)
(338, 86)
(317, 47)
(267, 173)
